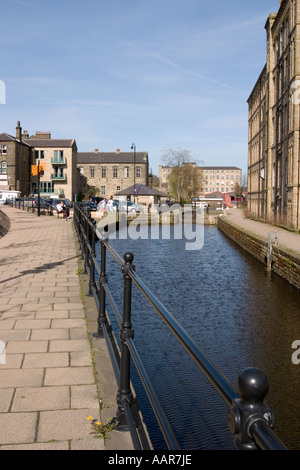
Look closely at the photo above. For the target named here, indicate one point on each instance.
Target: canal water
(234, 310)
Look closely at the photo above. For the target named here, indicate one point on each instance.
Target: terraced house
(274, 122)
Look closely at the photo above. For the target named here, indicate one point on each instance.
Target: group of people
(106, 205)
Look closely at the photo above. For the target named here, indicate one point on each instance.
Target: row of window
(58, 154)
(223, 190)
(115, 171)
(220, 171)
(222, 177)
(45, 187)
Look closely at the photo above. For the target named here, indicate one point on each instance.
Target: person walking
(110, 204)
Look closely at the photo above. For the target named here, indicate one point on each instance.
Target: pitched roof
(111, 157)
(5, 137)
(9, 138)
(141, 190)
(53, 143)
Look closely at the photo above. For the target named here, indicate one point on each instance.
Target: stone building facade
(274, 123)
(58, 158)
(215, 178)
(110, 172)
(15, 159)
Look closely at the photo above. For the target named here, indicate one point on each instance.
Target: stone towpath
(48, 384)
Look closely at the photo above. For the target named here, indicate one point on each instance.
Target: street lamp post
(133, 147)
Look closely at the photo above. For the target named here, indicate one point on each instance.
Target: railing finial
(253, 386)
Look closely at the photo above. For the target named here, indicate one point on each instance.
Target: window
(3, 168)
(103, 171)
(138, 172)
(46, 187)
(115, 172)
(92, 172)
(3, 149)
(118, 188)
(102, 190)
(126, 172)
(40, 154)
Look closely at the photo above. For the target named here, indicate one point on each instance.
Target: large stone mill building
(274, 123)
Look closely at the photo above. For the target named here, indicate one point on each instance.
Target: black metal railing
(249, 419)
(30, 205)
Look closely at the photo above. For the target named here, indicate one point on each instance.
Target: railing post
(102, 280)
(249, 408)
(86, 228)
(92, 257)
(124, 395)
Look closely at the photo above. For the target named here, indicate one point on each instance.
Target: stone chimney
(96, 150)
(25, 135)
(118, 151)
(43, 135)
(19, 131)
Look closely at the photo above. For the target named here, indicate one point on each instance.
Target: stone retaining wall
(283, 262)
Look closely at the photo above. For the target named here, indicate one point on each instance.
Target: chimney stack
(118, 150)
(19, 131)
(96, 150)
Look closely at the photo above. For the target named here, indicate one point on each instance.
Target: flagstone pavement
(48, 383)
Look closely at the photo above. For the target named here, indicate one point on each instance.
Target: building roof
(141, 190)
(220, 168)
(111, 157)
(53, 143)
(4, 137)
(9, 138)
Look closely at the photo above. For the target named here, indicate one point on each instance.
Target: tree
(186, 179)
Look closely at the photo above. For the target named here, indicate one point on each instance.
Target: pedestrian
(102, 205)
(60, 208)
(110, 204)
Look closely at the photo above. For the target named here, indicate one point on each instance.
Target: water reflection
(239, 315)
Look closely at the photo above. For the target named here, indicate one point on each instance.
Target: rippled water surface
(234, 311)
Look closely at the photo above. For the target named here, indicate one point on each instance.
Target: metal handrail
(249, 419)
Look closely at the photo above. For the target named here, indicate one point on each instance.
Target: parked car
(33, 202)
(89, 205)
(129, 206)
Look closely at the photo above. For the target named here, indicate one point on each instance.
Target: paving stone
(41, 398)
(69, 376)
(17, 428)
(21, 378)
(48, 359)
(61, 425)
(26, 346)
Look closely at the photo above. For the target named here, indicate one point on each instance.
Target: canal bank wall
(276, 258)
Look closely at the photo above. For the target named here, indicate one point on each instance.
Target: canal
(237, 313)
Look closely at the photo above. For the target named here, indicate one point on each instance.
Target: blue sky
(159, 73)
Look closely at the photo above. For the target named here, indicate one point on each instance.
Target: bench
(59, 215)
